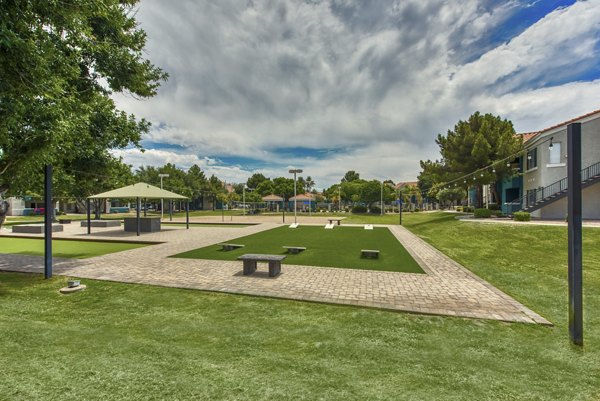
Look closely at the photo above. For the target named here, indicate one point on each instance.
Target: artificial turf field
(339, 247)
(64, 248)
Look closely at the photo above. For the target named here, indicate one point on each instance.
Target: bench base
(231, 247)
(370, 253)
(34, 228)
(274, 267)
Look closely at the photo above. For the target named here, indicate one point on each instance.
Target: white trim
(531, 169)
(556, 165)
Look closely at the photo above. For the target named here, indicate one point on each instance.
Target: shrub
(359, 209)
(468, 209)
(482, 213)
(417, 210)
(493, 206)
(459, 208)
(522, 216)
(375, 210)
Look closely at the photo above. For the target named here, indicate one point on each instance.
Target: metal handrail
(534, 196)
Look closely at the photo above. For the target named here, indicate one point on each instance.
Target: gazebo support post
(170, 209)
(139, 205)
(88, 205)
(187, 215)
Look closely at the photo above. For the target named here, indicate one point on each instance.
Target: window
(555, 153)
(532, 159)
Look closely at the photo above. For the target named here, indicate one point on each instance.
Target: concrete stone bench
(339, 221)
(101, 223)
(231, 247)
(295, 249)
(34, 228)
(369, 253)
(251, 259)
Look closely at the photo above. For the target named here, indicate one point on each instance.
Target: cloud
(376, 81)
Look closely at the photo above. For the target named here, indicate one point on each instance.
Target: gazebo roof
(303, 197)
(272, 198)
(139, 190)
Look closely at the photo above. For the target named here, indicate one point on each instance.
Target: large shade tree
(59, 64)
(480, 144)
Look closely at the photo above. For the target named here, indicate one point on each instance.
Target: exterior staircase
(538, 198)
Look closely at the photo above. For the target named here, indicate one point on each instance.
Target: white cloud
(381, 79)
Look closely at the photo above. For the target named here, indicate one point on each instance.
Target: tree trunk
(3, 211)
(96, 209)
(479, 203)
(495, 195)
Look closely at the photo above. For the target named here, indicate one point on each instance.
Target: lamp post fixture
(161, 199)
(295, 171)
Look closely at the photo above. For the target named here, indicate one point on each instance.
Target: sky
(336, 85)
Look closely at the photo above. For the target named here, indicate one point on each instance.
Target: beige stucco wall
(558, 210)
(546, 174)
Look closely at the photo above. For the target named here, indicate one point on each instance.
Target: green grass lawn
(63, 248)
(134, 342)
(339, 247)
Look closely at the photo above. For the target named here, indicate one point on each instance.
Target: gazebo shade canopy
(139, 190)
(272, 198)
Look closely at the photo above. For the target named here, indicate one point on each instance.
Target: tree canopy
(59, 63)
(481, 144)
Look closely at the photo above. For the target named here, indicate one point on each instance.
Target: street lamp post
(295, 171)
(381, 202)
(161, 199)
(244, 200)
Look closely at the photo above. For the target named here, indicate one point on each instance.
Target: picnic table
(339, 220)
(251, 259)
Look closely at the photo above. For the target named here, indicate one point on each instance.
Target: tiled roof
(272, 198)
(406, 184)
(531, 135)
(303, 197)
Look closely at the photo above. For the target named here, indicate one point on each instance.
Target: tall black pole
(400, 210)
(48, 221)
(88, 205)
(139, 205)
(187, 214)
(575, 237)
(170, 209)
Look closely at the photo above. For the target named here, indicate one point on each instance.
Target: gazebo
(138, 192)
(273, 199)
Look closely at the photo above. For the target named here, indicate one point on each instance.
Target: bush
(459, 208)
(417, 210)
(359, 209)
(493, 206)
(522, 216)
(482, 213)
(468, 209)
(375, 210)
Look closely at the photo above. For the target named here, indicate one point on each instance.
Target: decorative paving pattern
(446, 289)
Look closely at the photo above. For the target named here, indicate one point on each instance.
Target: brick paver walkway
(446, 289)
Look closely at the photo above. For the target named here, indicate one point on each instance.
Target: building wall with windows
(547, 164)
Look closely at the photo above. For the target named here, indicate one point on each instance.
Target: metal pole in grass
(161, 199)
(48, 221)
(88, 205)
(575, 236)
(295, 171)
